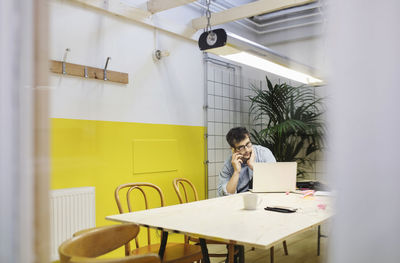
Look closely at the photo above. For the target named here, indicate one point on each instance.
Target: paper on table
(323, 193)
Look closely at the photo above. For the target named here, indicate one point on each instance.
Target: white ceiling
(270, 23)
(286, 24)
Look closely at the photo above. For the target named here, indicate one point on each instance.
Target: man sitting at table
(236, 175)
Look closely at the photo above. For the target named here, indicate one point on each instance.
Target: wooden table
(224, 219)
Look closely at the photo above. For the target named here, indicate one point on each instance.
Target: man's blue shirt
(263, 155)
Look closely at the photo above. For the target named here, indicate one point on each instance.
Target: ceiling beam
(120, 9)
(251, 9)
(116, 8)
(154, 6)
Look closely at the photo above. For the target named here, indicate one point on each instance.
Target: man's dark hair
(236, 135)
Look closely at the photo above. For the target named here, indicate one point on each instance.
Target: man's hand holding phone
(237, 161)
(237, 166)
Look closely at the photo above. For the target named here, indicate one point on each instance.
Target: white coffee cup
(251, 201)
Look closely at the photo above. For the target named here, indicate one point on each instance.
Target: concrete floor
(302, 248)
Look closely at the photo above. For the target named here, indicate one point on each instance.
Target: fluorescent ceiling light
(263, 64)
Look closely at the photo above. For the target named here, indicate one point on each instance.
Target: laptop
(274, 177)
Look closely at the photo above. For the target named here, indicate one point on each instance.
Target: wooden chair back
(183, 189)
(88, 245)
(126, 191)
(186, 186)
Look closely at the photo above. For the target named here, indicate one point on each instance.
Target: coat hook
(64, 60)
(85, 71)
(105, 68)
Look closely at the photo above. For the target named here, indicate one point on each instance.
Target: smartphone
(281, 209)
(244, 160)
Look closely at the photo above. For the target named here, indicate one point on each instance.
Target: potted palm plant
(288, 122)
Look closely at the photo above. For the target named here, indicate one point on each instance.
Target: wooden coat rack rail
(88, 72)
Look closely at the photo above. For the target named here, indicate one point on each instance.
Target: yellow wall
(105, 154)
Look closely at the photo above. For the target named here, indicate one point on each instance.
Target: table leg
(319, 239)
(271, 252)
(241, 254)
(204, 250)
(163, 244)
(285, 248)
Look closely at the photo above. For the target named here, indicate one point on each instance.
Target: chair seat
(174, 252)
(88, 245)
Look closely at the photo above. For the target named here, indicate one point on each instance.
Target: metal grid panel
(227, 107)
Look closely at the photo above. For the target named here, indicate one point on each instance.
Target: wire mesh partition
(227, 101)
(227, 106)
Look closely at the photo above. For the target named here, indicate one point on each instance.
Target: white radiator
(71, 210)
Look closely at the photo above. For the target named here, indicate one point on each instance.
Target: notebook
(274, 177)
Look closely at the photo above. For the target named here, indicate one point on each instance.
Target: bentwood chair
(87, 245)
(133, 193)
(186, 192)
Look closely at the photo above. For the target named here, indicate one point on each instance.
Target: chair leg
(271, 252)
(285, 248)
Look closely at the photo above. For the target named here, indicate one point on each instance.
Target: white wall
(166, 92)
(309, 51)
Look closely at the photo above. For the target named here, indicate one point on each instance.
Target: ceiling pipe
(288, 11)
(287, 20)
(290, 27)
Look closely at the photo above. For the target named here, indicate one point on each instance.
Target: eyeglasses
(242, 147)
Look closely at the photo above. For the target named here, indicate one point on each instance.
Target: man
(236, 175)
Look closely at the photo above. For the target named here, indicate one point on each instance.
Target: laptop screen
(274, 177)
